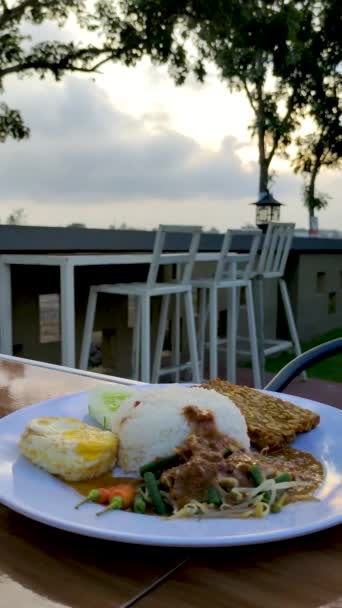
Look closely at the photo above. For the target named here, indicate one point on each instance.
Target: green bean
(214, 496)
(283, 477)
(139, 505)
(266, 496)
(256, 474)
(152, 488)
(158, 466)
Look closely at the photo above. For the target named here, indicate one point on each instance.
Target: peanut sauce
(302, 465)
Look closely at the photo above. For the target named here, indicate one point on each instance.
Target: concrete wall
(318, 294)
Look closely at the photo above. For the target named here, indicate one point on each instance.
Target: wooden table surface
(42, 567)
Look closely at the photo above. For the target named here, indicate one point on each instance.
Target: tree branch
(55, 67)
(276, 139)
(250, 98)
(16, 12)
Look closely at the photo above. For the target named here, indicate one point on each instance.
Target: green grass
(329, 369)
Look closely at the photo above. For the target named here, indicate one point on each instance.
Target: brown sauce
(302, 465)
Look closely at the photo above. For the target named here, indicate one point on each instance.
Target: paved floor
(312, 388)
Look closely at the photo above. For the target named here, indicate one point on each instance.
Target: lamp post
(267, 210)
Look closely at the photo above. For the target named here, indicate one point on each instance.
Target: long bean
(214, 497)
(153, 490)
(139, 505)
(283, 477)
(256, 474)
(158, 466)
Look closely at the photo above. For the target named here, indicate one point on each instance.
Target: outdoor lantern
(267, 210)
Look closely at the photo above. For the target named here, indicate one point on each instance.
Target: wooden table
(41, 567)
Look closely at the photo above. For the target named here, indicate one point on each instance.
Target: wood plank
(303, 572)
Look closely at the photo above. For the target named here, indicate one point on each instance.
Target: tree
(18, 55)
(323, 147)
(258, 46)
(76, 225)
(17, 217)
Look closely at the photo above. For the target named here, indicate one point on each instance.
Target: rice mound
(156, 426)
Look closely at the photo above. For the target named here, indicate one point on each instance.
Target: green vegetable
(278, 505)
(214, 496)
(139, 505)
(266, 496)
(283, 477)
(115, 503)
(93, 496)
(153, 490)
(256, 474)
(105, 401)
(158, 466)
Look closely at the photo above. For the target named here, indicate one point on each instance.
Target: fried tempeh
(272, 423)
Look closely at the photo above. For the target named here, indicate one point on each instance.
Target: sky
(131, 147)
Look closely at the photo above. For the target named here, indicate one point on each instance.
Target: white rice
(157, 425)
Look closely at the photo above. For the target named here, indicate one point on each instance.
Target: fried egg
(69, 448)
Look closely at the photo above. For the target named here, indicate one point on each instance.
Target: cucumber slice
(105, 401)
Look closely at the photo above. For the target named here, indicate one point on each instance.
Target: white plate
(38, 495)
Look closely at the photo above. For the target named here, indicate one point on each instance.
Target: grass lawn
(330, 369)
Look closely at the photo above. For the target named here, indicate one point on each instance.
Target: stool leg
(253, 336)
(176, 336)
(290, 320)
(88, 328)
(191, 329)
(259, 315)
(202, 322)
(232, 322)
(145, 339)
(212, 333)
(136, 340)
(160, 338)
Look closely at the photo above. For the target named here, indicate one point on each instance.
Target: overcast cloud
(83, 153)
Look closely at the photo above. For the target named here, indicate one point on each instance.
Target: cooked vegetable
(158, 466)
(99, 495)
(139, 505)
(283, 477)
(256, 474)
(126, 491)
(214, 496)
(153, 491)
(115, 503)
(121, 496)
(279, 503)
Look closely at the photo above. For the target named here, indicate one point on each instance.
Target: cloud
(85, 154)
(82, 147)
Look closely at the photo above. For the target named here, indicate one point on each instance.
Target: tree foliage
(20, 56)
(270, 49)
(322, 148)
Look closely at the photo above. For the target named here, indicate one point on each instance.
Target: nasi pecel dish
(216, 450)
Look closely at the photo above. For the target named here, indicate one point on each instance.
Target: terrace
(313, 275)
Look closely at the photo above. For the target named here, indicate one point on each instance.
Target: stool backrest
(185, 259)
(224, 264)
(275, 250)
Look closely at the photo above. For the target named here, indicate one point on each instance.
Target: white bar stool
(143, 292)
(271, 265)
(228, 277)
